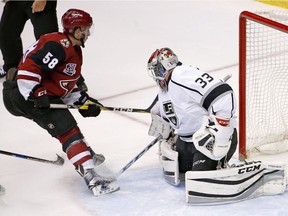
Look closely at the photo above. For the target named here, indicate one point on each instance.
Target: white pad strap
(235, 184)
(169, 161)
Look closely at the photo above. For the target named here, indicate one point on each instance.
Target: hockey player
(48, 73)
(43, 17)
(201, 109)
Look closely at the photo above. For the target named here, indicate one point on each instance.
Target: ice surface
(203, 34)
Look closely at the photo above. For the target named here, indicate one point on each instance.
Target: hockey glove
(39, 96)
(94, 106)
(213, 139)
(159, 127)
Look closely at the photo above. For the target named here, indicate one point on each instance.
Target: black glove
(93, 105)
(39, 96)
(81, 84)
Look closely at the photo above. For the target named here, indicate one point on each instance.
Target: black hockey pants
(191, 159)
(55, 121)
(15, 15)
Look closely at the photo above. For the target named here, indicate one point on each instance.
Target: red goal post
(263, 82)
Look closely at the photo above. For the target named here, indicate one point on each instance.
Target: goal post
(263, 82)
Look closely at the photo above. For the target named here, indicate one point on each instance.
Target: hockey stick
(138, 156)
(59, 161)
(228, 76)
(117, 109)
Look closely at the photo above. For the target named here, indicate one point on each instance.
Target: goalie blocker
(235, 184)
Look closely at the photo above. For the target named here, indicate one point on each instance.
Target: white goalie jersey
(192, 94)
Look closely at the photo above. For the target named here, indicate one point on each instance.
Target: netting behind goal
(263, 83)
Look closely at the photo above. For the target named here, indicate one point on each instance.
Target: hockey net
(263, 83)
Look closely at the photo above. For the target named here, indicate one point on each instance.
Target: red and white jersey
(53, 62)
(192, 94)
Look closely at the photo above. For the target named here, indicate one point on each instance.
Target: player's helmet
(75, 18)
(161, 60)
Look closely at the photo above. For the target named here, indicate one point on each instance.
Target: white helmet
(161, 60)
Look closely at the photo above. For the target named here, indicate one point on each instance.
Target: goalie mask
(160, 63)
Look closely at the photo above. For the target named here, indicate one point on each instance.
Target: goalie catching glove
(213, 139)
(159, 127)
(94, 107)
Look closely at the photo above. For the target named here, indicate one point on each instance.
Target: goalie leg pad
(169, 161)
(234, 184)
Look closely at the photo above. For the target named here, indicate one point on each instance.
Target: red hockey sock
(79, 154)
(75, 148)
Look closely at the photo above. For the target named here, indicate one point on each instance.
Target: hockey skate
(98, 184)
(97, 158)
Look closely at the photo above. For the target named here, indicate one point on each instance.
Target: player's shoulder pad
(183, 72)
(60, 38)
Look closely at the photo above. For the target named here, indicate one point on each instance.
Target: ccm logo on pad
(249, 169)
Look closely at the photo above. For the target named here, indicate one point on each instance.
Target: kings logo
(70, 69)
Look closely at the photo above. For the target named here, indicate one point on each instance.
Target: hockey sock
(79, 154)
(76, 149)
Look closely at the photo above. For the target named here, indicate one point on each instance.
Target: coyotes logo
(65, 43)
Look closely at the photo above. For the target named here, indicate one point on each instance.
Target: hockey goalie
(195, 114)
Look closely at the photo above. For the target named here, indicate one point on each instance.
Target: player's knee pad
(169, 160)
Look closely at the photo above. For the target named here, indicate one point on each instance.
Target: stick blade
(59, 161)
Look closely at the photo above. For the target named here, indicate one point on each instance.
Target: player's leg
(12, 23)
(62, 125)
(46, 21)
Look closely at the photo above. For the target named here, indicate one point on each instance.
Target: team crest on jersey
(170, 113)
(70, 69)
(65, 43)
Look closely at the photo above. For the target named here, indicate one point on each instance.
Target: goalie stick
(59, 161)
(227, 77)
(133, 160)
(117, 109)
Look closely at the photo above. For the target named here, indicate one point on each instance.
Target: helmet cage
(156, 71)
(161, 61)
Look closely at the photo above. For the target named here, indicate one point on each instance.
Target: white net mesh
(267, 85)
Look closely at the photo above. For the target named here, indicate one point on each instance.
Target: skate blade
(98, 191)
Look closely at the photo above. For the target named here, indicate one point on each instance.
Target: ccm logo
(41, 93)
(249, 169)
